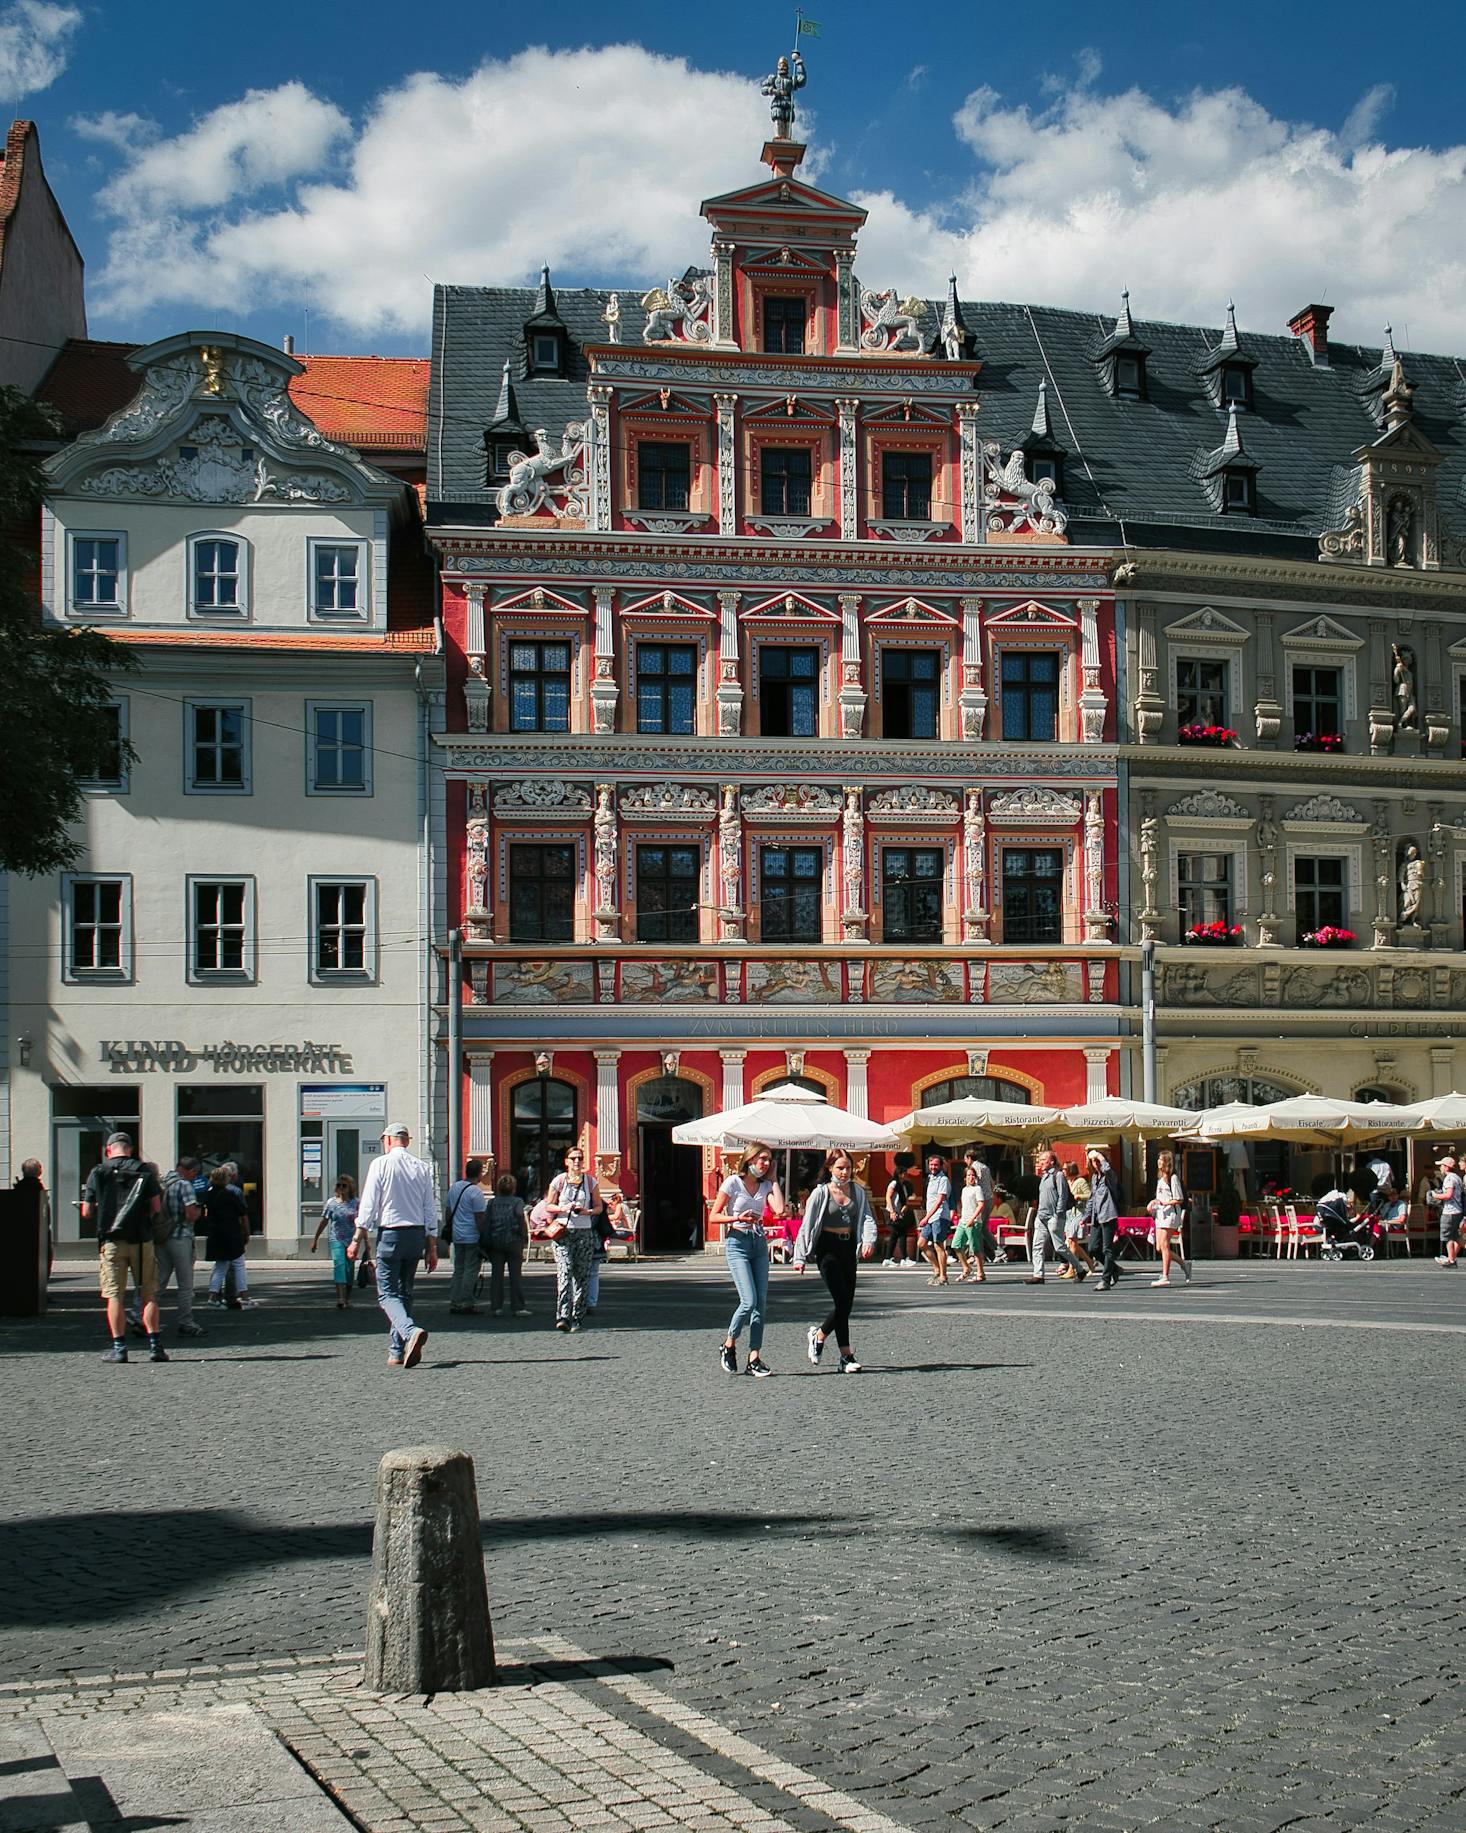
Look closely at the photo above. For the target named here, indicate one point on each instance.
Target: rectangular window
(98, 918)
(343, 928)
(791, 895)
(97, 580)
(1318, 700)
(1237, 491)
(1204, 885)
(340, 749)
(539, 687)
(910, 688)
(111, 771)
(788, 692)
(666, 688)
(1201, 691)
(1030, 694)
(663, 476)
(666, 893)
(542, 893)
(785, 481)
(906, 486)
(1319, 894)
(784, 321)
(336, 579)
(218, 747)
(911, 893)
(218, 588)
(221, 928)
(1033, 894)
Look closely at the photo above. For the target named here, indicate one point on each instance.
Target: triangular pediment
(912, 611)
(786, 261)
(791, 407)
(789, 605)
(1405, 441)
(789, 194)
(666, 604)
(1207, 626)
(667, 401)
(902, 413)
(536, 599)
(1322, 633)
(1031, 615)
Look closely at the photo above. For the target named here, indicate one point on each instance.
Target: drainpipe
(1147, 1017)
(455, 1054)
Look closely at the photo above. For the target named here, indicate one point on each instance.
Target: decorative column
(480, 1104)
(1435, 715)
(1442, 1069)
(1436, 833)
(1150, 708)
(972, 701)
(857, 1094)
(972, 530)
(730, 687)
(847, 406)
(1150, 871)
(1267, 710)
(1269, 923)
(1096, 918)
(604, 692)
(975, 914)
(608, 1118)
(727, 406)
(598, 458)
(731, 914)
(733, 1061)
(854, 917)
(1381, 703)
(476, 682)
(852, 690)
(1382, 848)
(723, 338)
(478, 909)
(847, 330)
(605, 915)
(1093, 703)
(1096, 1059)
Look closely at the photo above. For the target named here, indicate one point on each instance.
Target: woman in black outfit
(838, 1224)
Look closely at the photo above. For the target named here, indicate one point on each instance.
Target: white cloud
(595, 160)
(35, 40)
(125, 132)
(1188, 205)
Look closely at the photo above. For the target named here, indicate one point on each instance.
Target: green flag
(808, 28)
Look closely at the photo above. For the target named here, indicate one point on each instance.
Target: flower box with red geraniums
(1328, 937)
(1215, 935)
(1205, 735)
(1332, 743)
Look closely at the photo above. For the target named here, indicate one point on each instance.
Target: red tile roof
(417, 638)
(377, 403)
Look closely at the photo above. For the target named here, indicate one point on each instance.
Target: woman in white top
(1168, 1206)
(575, 1197)
(739, 1206)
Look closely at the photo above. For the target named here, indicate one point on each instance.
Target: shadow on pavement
(1028, 1542)
(938, 1368)
(601, 1667)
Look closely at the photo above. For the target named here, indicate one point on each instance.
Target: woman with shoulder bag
(573, 1199)
(740, 1205)
(839, 1224)
(1168, 1206)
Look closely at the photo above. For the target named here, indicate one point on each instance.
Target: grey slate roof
(1133, 469)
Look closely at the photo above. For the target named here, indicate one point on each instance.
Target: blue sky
(243, 169)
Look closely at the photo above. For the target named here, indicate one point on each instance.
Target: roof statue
(779, 87)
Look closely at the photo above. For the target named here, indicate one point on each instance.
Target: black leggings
(900, 1238)
(836, 1262)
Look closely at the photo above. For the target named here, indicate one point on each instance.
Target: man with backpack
(122, 1197)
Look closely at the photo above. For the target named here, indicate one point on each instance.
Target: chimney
(1312, 325)
(287, 343)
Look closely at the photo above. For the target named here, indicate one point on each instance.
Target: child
(339, 1216)
(227, 1222)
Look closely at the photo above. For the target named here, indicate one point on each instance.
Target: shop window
(666, 688)
(343, 929)
(1201, 691)
(97, 918)
(788, 691)
(1029, 689)
(542, 892)
(911, 893)
(1320, 893)
(784, 322)
(1318, 700)
(906, 486)
(1033, 894)
(910, 692)
(1204, 886)
(221, 929)
(663, 475)
(791, 895)
(223, 1124)
(785, 481)
(218, 747)
(542, 1130)
(666, 893)
(539, 687)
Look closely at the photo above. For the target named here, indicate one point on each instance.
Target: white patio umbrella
(788, 1117)
(1316, 1119)
(954, 1123)
(1120, 1117)
(1442, 1114)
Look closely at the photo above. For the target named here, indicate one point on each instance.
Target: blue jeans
(398, 1252)
(747, 1254)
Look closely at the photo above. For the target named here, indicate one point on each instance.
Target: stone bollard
(428, 1628)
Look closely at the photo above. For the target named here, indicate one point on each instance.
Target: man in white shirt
(397, 1201)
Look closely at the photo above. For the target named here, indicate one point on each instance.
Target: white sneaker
(248, 1303)
(815, 1342)
(910, 1263)
(849, 1366)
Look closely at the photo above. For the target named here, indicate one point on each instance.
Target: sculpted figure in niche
(1412, 882)
(1407, 715)
(1398, 528)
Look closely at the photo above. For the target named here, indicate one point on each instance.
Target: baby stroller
(1345, 1234)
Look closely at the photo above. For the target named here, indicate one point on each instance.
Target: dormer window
(1236, 385)
(1129, 378)
(502, 455)
(1047, 468)
(1239, 493)
(544, 353)
(784, 322)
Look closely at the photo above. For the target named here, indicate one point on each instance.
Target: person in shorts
(1450, 1197)
(936, 1221)
(339, 1216)
(122, 1198)
(967, 1239)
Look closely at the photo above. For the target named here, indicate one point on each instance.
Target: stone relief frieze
(1209, 805)
(671, 799)
(647, 983)
(1034, 803)
(543, 983)
(916, 982)
(792, 799)
(794, 982)
(1034, 982)
(914, 799)
(537, 793)
(1323, 807)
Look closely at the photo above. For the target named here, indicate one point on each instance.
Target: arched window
(1220, 1091)
(976, 1088)
(542, 1123)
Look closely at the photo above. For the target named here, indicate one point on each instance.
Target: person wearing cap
(1102, 1212)
(122, 1197)
(1450, 1198)
(397, 1202)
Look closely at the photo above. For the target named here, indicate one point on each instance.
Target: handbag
(555, 1228)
